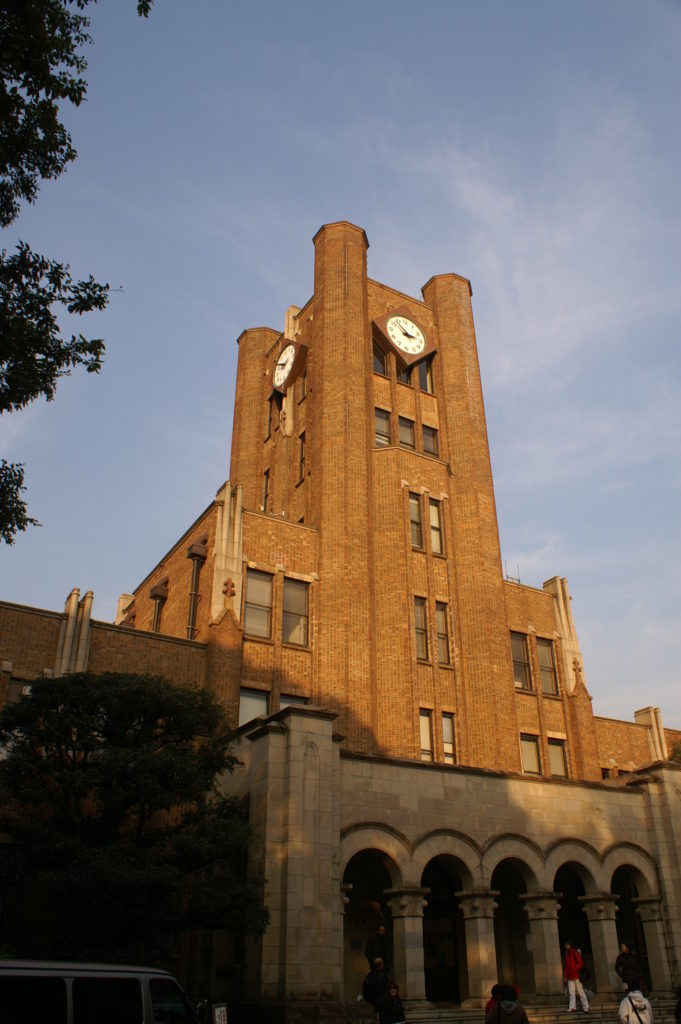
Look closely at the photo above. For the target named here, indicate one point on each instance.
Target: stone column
(600, 913)
(649, 909)
(542, 913)
(478, 913)
(406, 908)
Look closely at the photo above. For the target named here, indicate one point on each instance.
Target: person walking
(573, 965)
(635, 1008)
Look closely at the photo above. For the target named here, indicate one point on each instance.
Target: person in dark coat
(376, 945)
(627, 966)
(375, 986)
(390, 1010)
(506, 1009)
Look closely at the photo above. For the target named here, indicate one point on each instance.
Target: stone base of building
(303, 1012)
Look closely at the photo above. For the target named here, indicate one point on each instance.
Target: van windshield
(169, 1002)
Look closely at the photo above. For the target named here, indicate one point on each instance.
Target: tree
(110, 797)
(41, 66)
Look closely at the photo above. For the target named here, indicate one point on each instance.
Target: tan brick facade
(352, 563)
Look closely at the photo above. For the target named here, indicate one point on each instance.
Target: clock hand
(406, 333)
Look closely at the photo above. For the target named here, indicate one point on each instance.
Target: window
(302, 386)
(406, 432)
(425, 369)
(448, 743)
(294, 619)
(301, 457)
(107, 1000)
(421, 627)
(415, 520)
(382, 427)
(521, 661)
(380, 360)
(529, 748)
(404, 376)
(252, 704)
(258, 604)
(169, 1003)
(286, 700)
(426, 730)
(430, 441)
(29, 998)
(274, 408)
(197, 554)
(159, 595)
(547, 665)
(265, 489)
(557, 759)
(435, 527)
(442, 633)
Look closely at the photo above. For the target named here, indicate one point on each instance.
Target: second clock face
(404, 333)
(284, 364)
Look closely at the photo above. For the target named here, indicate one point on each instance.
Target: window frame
(426, 732)
(382, 416)
(548, 675)
(410, 426)
(433, 448)
(437, 537)
(526, 683)
(258, 696)
(449, 737)
(301, 457)
(380, 360)
(292, 585)
(421, 627)
(252, 574)
(530, 742)
(425, 376)
(558, 744)
(415, 521)
(442, 628)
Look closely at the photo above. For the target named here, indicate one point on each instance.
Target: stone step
(605, 1012)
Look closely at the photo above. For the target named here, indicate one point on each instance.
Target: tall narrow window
(547, 665)
(529, 748)
(295, 616)
(436, 544)
(380, 360)
(442, 633)
(404, 376)
(265, 489)
(406, 432)
(258, 604)
(521, 661)
(431, 445)
(448, 742)
(557, 759)
(426, 730)
(159, 595)
(415, 520)
(382, 427)
(425, 369)
(301, 457)
(197, 553)
(421, 628)
(302, 386)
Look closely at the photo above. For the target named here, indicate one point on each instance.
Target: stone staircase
(605, 1012)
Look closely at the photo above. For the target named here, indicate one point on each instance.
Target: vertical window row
(406, 433)
(522, 669)
(435, 523)
(426, 736)
(421, 630)
(531, 759)
(422, 372)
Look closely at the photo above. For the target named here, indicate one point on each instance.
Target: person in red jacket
(573, 965)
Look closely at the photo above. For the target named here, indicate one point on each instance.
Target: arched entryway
(625, 885)
(573, 926)
(515, 965)
(368, 874)
(444, 938)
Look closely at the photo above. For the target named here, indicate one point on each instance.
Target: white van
(77, 993)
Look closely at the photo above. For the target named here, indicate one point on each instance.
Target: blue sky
(533, 147)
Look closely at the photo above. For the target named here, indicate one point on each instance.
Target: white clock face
(404, 333)
(284, 364)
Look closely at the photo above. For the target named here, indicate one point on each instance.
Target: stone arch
(633, 880)
(450, 844)
(585, 861)
(373, 859)
(522, 852)
(642, 865)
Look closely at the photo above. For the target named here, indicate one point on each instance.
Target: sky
(533, 147)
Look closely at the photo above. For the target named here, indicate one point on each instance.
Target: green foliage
(13, 516)
(110, 792)
(41, 67)
(675, 752)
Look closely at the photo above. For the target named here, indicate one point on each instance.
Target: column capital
(649, 908)
(601, 907)
(478, 903)
(541, 906)
(407, 902)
